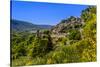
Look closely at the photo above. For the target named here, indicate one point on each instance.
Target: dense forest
(72, 40)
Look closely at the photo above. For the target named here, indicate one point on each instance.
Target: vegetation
(77, 45)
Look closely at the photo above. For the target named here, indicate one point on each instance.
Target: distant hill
(17, 25)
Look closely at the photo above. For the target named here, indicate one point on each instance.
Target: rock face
(62, 30)
(67, 24)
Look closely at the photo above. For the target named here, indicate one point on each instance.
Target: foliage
(74, 35)
(86, 14)
(39, 48)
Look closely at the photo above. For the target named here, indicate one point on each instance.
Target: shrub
(74, 35)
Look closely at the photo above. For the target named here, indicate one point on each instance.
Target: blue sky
(44, 13)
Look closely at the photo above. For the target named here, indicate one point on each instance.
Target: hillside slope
(18, 25)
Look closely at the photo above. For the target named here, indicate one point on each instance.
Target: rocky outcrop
(67, 24)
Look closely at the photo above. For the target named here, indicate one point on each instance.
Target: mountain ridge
(18, 25)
